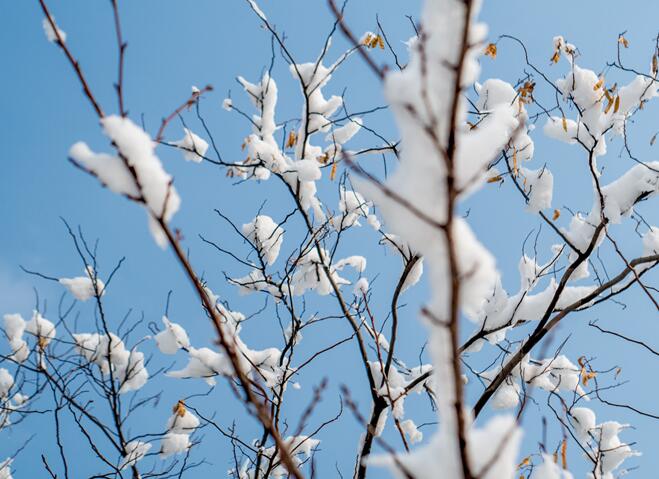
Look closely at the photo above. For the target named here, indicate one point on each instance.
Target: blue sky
(173, 45)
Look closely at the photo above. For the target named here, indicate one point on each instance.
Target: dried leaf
(616, 104)
(623, 41)
(609, 104)
(292, 139)
(556, 56)
(556, 215)
(564, 454)
(525, 462)
(495, 179)
(515, 170)
(491, 51)
(333, 171)
(367, 39)
(599, 84)
(587, 377)
(179, 409)
(564, 124)
(653, 139)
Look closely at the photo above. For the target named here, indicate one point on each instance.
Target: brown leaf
(333, 171)
(292, 139)
(491, 50)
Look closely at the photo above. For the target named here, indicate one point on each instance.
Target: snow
(583, 420)
(204, 363)
(134, 451)
(50, 32)
(135, 145)
(179, 428)
(82, 287)
(345, 133)
(352, 206)
(311, 275)
(182, 421)
(550, 470)
(6, 383)
(172, 338)
(361, 287)
(301, 448)
(109, 353)
(173, 443)
(227, 104)
(5, 469)
(411, 431)
(539, 185)
(14, 325)
(40, 327)
(192, 146)
(266, 235)
(110, 170)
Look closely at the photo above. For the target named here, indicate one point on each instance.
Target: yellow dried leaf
(333, 171)
(525, 462)
(616, 104)
(609, 104)
(179, 409)
(564, 454)
(654, 65)
(556, 215)
(556, 56)
(495, 179)
(623, 41)
(367, 39)
(380, 42)
(491, 50)
(599, 84)
(292, 139)
(564, 121)
(515, 171)
(587, 377)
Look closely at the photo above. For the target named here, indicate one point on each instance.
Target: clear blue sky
(173, 45)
